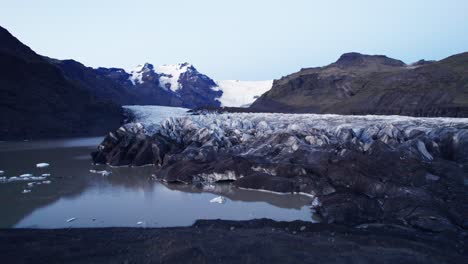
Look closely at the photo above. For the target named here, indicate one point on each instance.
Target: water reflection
(127, 196)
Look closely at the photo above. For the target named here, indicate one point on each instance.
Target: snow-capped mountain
(183, 85)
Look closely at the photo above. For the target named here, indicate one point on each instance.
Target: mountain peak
(143, 67)
(137, 74)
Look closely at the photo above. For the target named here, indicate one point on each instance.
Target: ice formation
(218, 199)
(42, 165)
(312, 129)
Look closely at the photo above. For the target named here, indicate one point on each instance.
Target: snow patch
(136, 75)
(170, 74)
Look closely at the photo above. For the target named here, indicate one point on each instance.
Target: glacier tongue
(313, 129)
(359, 169)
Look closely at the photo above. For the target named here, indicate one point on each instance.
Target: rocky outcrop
(394, 170)
(38, 101)
(365, 84)
(130, 146)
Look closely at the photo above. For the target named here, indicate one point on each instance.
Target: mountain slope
(37, 100)
(101, 87)
(365, 84)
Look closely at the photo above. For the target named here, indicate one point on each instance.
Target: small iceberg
(71, 219)
(103, 172)
(26, 191)
(30, 184)
(218, 199)
(46, 182)
(45, 175)
(24, 177)
(140, 223)
(1, 172)
(42, 165)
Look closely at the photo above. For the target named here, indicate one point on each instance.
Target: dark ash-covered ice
(360, 169)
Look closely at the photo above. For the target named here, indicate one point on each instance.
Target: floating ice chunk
(46, 182)
(1, 172)
(218, 199)
(36, 178)
(25, 175)
(42, 165)
(26, 191)
(71, 219)
(140, 223)
(30, 184)
(2, 178)
(102, 172)
(45, 175)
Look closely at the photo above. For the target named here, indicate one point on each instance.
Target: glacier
(241, 93)
(358, 169)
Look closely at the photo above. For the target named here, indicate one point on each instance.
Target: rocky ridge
(373, 84)
(37, 100)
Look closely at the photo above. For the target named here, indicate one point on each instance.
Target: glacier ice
(42, 165)
(218, 199)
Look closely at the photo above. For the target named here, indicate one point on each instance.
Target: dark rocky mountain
(144, 85)
(37, 100)
(373, 84)
(197, 89)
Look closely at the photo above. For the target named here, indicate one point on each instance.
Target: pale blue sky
(238, 39)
